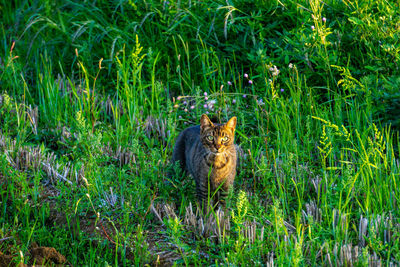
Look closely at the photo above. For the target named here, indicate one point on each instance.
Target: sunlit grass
(92, 97)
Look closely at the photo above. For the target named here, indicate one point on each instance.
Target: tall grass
(93, 95)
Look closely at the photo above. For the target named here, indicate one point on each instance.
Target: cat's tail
(178, 160)
(178, 154)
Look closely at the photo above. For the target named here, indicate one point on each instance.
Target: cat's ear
(205, 122)
(231, 124)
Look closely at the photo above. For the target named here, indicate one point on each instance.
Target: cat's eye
(210, 138)
(225, 139)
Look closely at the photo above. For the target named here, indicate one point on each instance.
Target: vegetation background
(94, 93)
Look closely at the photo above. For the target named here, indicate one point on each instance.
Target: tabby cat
(208, 153)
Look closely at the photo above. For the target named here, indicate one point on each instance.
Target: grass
(93, 95)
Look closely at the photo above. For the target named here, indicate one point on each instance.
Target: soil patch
(46, 255)
(38, 256)
(5, 260)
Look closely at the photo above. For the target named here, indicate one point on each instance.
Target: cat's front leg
(202, 193)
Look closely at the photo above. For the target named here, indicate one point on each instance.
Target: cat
(207, 151)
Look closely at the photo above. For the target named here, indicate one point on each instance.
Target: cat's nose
(217, 146)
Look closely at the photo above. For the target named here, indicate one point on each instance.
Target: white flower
(211, 103)
(274, 70)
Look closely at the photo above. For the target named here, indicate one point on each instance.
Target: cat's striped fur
(208, 153)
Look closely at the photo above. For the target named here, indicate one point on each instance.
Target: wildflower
(206, 98)
(191, 107)
(229, 83)
(176, 106)
(312, 27)
(205, 93)
(205, 106)
(180, 117)
(260, 102)
(186, 110)
(233, 101)
(211, 104)
(282, 90)
(324, 19)
(184, 102)
(275, 71)
(179, 97)
(244, 96)
(246, 75)
(290, 66)
(250, 82)
(101, 60)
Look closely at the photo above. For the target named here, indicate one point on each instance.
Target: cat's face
(217, 138)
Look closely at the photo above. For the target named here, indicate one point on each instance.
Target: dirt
(46, 255)
(37, 256)
(5, 260)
